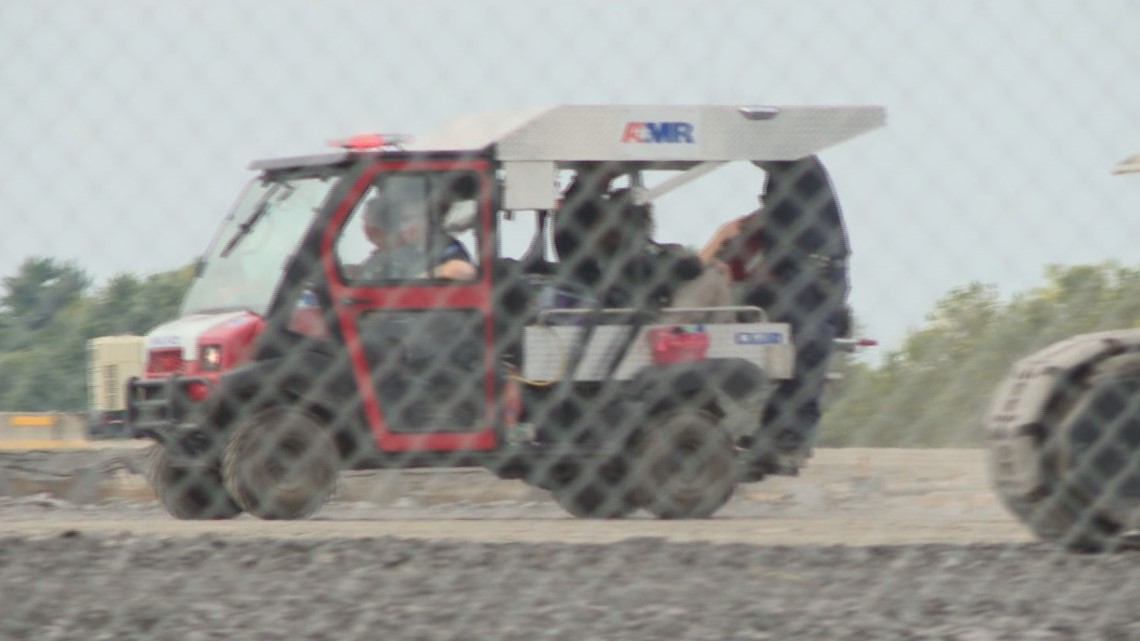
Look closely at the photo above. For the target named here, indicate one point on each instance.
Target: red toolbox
(678, 344)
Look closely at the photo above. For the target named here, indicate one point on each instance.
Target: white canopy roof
(684, 134)
(1129, 165)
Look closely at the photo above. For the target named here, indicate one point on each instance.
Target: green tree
(129, 304)
(39, 289)
(47, 315)
(935, 388)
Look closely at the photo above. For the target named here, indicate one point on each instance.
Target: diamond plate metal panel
(547, 348)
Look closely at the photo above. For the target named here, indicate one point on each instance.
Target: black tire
(189, 492)
(687, 463)
(281, 464)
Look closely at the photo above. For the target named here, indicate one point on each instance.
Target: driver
(399, 231)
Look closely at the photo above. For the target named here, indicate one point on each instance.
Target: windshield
(243, 266)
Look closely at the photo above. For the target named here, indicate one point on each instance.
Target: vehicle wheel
(688, 463)
(1063, 518)
(1100, 431)
(281, 463)
(192, 493)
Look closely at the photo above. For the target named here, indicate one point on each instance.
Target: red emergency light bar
(368, 142)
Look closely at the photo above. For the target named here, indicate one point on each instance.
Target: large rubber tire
(1105, 420)
(1064, 519)
(190, 493)
(281, 463)
(687, 462)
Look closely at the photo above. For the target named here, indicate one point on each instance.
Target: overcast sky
(125, 127)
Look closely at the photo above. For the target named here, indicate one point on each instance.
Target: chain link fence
(646, 262)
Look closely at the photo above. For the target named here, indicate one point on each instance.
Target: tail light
(853, 344)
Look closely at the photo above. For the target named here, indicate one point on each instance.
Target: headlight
(210, 357)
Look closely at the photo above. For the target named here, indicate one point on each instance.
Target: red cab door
(408, 261)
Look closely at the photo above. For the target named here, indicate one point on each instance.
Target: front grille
(164, 361)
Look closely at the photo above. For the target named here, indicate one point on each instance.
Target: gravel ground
(865, 545)
(74, 586)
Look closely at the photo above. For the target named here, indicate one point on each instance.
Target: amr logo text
(658, 132)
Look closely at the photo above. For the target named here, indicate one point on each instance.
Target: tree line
(49, 309)
(934, 390)
(930, 392)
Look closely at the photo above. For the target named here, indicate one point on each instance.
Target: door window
(408, 226)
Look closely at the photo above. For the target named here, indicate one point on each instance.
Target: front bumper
(162, 408)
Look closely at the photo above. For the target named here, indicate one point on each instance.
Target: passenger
(693, 280)
(605, 240)
(802, 281)
(578, 227)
